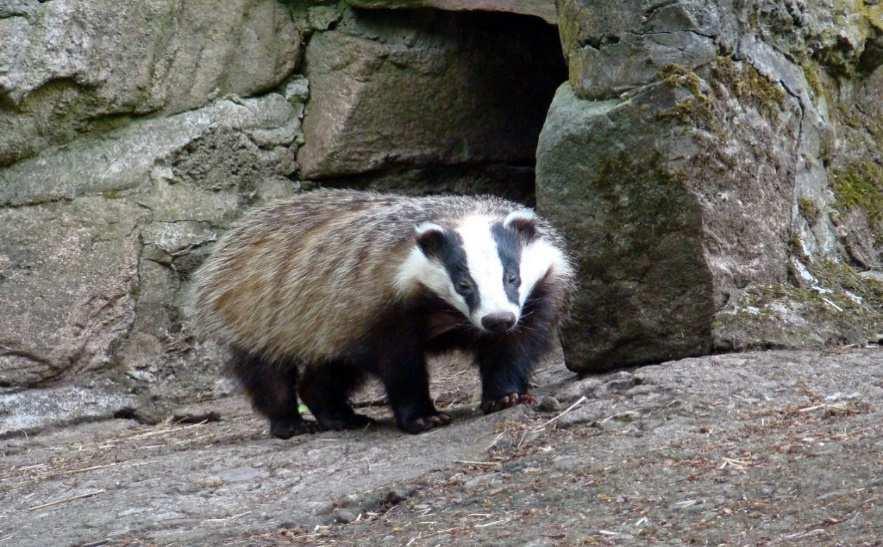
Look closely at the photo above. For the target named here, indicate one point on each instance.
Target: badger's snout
(498, 322)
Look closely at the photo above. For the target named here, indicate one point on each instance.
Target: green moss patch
(693, 109)
(749, 85)
(808, 209)
(860, 186)
(679, 76)
(814, 79)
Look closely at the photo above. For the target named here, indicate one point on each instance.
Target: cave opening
(428, 101)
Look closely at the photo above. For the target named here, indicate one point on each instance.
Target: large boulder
(430, 88)
(717, 194)
(70, 67)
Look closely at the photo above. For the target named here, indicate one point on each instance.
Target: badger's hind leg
(326, 388)
(272, 388)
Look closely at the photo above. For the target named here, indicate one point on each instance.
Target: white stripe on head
(419, 269)
(485, 267)
(537, 259)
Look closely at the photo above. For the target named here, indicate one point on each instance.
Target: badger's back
(307, 277)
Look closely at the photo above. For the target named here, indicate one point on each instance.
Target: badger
(315, 292)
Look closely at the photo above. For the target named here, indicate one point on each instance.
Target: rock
(101, 235)
(74, 67)
(27, 412)
(515, 182)
(124, 159)
(841, 308)
(344, 516)
(411, 89)
(548, 403)
(694, 161)
(68, 288)
(612, 46)
(634, 230)
(539, 8)
(569, 391)
(737, 436)
(588, 413)
(105, 210)
(620, 382)
(399, 494)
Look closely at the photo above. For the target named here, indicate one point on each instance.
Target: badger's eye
(512, 278)
(464, 286)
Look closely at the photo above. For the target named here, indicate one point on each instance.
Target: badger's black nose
(498, 322)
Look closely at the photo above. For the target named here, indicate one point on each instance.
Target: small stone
(398, 495)
(582, 415)
(480, 480)
(621, 381)
(548, 404)
(567, 463)
(344, 516)
(297, 90)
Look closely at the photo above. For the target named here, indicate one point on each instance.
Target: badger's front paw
(287, 428)
(340, 422)
(425, 423)
(507, 401)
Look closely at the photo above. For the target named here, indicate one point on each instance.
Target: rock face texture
(728, 449)
(83, 66)
(100, 235)
(717, 169)
(399, 89)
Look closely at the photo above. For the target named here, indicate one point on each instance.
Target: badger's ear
(524, 222)
(430, 238)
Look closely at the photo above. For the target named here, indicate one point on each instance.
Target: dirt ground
(757, 448)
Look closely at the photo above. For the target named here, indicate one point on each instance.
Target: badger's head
(482, 266)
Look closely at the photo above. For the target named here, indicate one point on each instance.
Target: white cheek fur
(537, 258)
(417, 268)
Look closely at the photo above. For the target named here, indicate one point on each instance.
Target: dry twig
(579, 401)
(65, 500)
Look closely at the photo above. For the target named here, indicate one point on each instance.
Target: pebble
(344, 516)
(400, 494)
(549, 404)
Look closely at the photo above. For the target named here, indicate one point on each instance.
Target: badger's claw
(425, 423)
(507, 401)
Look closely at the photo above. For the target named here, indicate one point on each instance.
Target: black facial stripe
(453, 258)
(509, 250)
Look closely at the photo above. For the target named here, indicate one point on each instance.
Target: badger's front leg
(505, 373)
(403, 371)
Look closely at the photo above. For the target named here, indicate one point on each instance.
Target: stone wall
(132, 134)
(715, 165)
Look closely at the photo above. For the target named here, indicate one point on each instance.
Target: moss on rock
(748, 84)
(860, 186)
(843, 308)
(808, 209)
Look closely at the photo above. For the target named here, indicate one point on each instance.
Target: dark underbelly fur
(395, 351)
